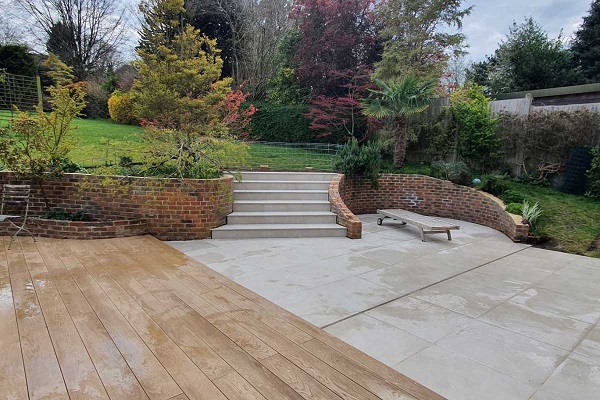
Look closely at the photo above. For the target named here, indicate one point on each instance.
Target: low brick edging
(345, 217)
(58, 229)
(429, 196)
(169, 209)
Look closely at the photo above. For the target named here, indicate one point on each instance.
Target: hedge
(283, 123)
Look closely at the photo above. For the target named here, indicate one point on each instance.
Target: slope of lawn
(97, 139)
(570, 223)
(100, 140)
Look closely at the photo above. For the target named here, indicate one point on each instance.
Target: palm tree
(398, 101)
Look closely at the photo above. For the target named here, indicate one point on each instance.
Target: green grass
(288, 159)
(570, 223)
(97, 140)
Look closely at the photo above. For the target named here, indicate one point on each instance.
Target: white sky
(490, 20)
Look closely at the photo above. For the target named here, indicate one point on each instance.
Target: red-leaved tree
(341, 116)
(337, 49)
(337, 38)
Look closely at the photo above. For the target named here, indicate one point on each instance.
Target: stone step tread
(281, 182)
(300, 173)
(279, 213)
(279, 191)
(281, 201)
(254, 227)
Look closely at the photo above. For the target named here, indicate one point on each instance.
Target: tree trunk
(400, 142)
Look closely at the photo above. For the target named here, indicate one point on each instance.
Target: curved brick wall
(170, 209)
(345, 217)
(430, 196)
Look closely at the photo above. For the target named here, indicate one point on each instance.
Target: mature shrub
(96, 101)
(515, 208)
(540, 144)
(476, 129)
(456, 172)
(121, 108)
(495, 185)
(593, 175)
(510, 196)
(360, 161)
(16, 59)
(441, 133)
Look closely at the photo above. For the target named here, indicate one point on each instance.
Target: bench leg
(449, 235)
(422, 234)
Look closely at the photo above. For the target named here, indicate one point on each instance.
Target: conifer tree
(416, 37)
(586, 46)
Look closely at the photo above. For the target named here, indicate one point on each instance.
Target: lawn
(570, 223)
(102, 140)
(97, 140)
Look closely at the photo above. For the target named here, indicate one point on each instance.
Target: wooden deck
(135, 319)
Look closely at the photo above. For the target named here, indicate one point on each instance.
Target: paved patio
(476, 318)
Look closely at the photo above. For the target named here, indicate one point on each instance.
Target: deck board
(135, 319)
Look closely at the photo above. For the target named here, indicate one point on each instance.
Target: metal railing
(281, 156)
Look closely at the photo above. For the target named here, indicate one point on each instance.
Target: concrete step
(281, 194)
(280, 205)
(278, 231)
(287, 176)
(281, 185)
(287, 217)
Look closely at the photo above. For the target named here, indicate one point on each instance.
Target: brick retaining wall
(169, 209)
(345, 217)
(430, 196)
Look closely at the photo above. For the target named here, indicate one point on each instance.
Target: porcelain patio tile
(543, 326)
(458, 299)
(576, 378)
(570, 305)
(419, 318)
(381, 341)
(525, 359)
(458, 378)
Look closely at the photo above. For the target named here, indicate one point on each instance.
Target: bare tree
(254, 29)
(85, 34)
(10, 31)
(266, 23)
(455, 75)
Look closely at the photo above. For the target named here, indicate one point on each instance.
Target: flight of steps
(281, 205)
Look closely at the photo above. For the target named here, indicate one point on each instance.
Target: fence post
(39, 92)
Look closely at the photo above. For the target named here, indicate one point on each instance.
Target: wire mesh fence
(292, 156)
(22, 92)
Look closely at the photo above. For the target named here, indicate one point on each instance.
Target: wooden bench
(428, 225)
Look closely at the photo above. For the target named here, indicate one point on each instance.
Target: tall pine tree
(162, 21)
(586, 46)
(418, 38)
